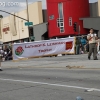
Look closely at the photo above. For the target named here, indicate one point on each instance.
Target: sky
(18, 5)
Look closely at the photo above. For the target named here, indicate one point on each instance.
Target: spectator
(83, 43)
(8, 56)
(77, 45)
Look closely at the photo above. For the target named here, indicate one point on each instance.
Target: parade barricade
(44, 48)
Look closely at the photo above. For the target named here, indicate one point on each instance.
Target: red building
(62, 14)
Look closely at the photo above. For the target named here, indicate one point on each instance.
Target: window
(60, 20)
(60, 9)
(61, 29)
(70, 21)
(60, 23)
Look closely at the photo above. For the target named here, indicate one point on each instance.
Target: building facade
(62, 14)
(94, 20)
(13, 28)
(57, 21)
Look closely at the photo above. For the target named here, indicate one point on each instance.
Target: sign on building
(51, 17)
(6, 29)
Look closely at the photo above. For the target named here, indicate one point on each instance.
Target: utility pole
(28, 19)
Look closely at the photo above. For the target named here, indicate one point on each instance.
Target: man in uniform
(92, 38)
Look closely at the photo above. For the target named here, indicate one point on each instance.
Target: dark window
(61, 24)
(58, 25)
(62, 29)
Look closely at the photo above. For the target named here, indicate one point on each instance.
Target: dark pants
(77, 49)
(87, 47)
(0, 58)
(93, 49)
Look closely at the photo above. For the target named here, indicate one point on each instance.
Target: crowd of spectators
(6, 53)
(82, 45)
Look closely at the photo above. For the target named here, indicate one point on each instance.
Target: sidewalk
(68, 61)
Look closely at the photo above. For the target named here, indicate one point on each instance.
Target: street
(46, 47)
(49, 84)
(55, 62)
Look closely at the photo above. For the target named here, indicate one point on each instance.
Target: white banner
(43, 48)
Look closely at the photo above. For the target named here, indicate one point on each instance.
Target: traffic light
(75, 27)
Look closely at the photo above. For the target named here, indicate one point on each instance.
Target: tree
(1, 16)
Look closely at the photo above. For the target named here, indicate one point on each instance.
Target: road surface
(49, 84)
(56, 62)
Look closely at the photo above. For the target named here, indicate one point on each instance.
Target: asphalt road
(49, 84)
(55, 62)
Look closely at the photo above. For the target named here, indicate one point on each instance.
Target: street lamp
(27, 10)
(28, 18)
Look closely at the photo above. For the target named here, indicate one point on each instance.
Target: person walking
(92, 37)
